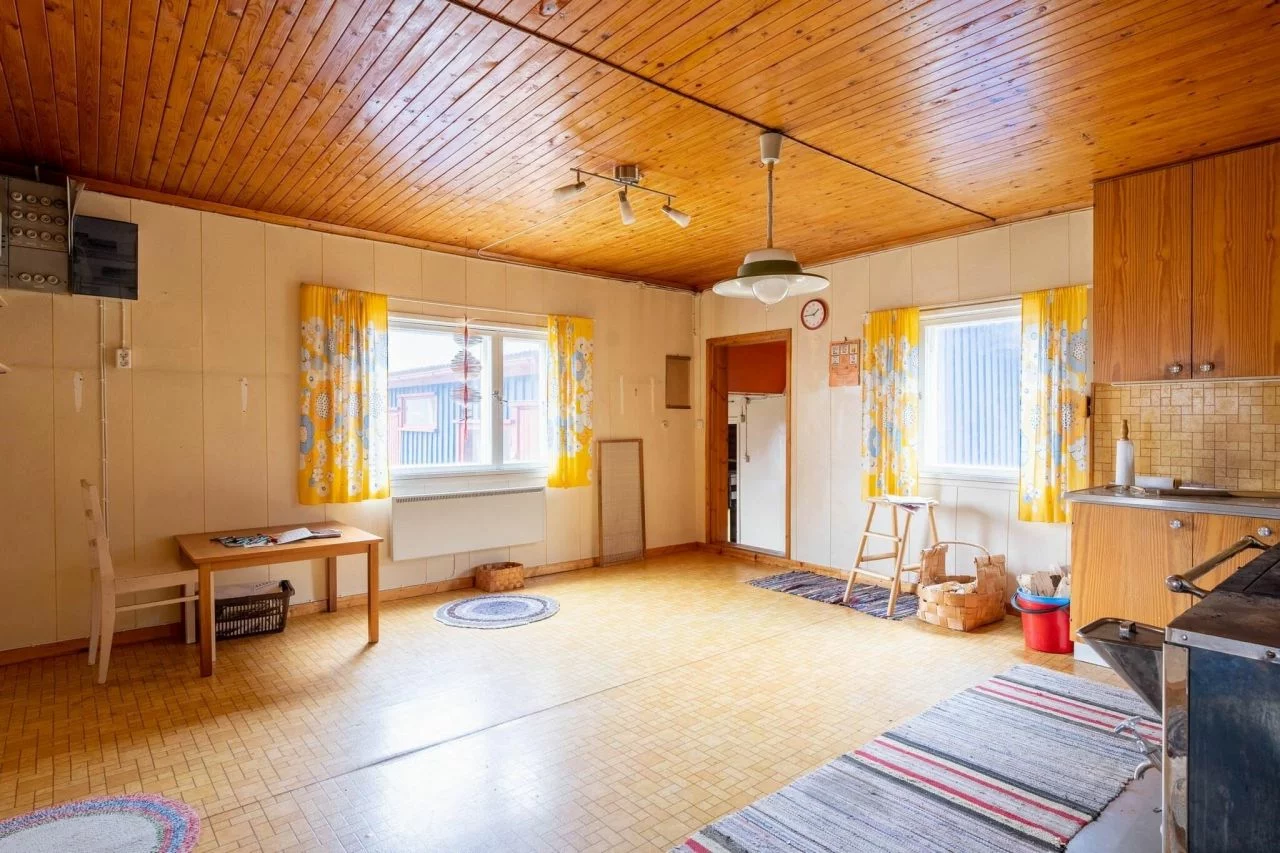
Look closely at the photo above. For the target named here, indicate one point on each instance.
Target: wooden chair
(107, 583)
(909, 505)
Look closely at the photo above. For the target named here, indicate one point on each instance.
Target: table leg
(331, 582)
(206, 621)
(373, 592)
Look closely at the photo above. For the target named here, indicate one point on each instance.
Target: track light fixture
(770, 275)
(628, 177)
(678, 217)
(570, 191)
(624, 208)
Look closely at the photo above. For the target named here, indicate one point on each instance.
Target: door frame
(717, 441)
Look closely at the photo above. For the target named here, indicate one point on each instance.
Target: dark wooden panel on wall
(1142, 276)
(1236, 292)
(758, 368)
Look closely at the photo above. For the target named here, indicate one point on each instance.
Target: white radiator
(456, 522)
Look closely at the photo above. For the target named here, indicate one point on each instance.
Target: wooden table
(210, 557)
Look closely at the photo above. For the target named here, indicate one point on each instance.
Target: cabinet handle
(1176, 524)
(1175, 368)
(1207, 366)
(1264, 531)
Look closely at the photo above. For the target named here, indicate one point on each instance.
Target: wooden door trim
(718, 434)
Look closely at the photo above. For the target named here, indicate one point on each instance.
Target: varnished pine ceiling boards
(447, 122)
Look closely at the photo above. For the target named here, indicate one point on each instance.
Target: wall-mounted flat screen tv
(104, 258)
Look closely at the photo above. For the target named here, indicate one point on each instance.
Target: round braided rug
(497, 611)
(131, 823)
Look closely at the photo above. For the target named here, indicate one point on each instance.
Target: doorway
(749, 442)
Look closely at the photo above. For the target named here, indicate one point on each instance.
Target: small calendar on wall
(844, 366)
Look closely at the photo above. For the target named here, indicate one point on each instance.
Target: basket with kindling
(500, 577)
(961, 602)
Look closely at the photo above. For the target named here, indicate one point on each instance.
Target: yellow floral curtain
(890, 401)
(570, 343)
(1055, 436)
(343, 442)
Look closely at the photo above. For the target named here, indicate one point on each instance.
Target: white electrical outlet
(124, 358)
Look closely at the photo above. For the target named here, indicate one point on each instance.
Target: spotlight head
(678, 217)
(569, 191)
(624, 208)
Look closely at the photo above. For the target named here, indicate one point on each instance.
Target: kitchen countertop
(1252, 507)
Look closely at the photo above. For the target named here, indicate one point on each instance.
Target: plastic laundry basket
(1046, 622)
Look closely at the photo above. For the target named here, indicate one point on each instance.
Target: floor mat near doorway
(1021, 762)
(128, 823)
(867, 598)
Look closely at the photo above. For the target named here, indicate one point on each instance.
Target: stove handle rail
(1185, 582)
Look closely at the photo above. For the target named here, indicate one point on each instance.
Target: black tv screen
(104, 258)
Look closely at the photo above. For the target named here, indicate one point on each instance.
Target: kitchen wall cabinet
(1120, 557)
(1236, 272)
(1187, 270)
(1142, 276)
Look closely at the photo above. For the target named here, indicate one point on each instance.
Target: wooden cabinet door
(1142, 276)
(1120, 558)
(1236, 275)
(1213, 533)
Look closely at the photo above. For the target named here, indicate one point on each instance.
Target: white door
(762, 473)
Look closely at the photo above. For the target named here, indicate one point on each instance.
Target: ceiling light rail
(627, 176)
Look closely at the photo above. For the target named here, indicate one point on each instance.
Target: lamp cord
(769, 214)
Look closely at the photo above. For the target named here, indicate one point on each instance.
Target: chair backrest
(99, 545)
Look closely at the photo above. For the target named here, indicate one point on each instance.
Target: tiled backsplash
(1223, 433)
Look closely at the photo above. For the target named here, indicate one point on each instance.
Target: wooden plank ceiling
(451, 122)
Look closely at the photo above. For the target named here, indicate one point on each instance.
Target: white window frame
(1004, 309)
(488, 410)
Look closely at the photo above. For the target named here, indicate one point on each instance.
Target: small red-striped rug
(1021, 762)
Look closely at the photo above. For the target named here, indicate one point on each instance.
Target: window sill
(467, 473)
(959, 475)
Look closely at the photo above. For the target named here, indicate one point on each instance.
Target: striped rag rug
(1021, 762)
(866, 598)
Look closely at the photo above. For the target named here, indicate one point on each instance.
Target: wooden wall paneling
(280, 93)
(1142, 276)
(113, 50)
(444, 277)
(1214, 533)
(168, 392)
(233, 272)
(382, 30)
(58, 142)
(289, 31)
(202, 55)
(398, 104)
(1120, 559)
(1236, 277)
(86, 58)
(77, 439)
(28, 140)
(27, 501)
(809, 439)
(141, 35)
(292, 257)
(263, 27)
(310, 155)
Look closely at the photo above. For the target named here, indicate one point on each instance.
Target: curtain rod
(970, 303)
(467, 308)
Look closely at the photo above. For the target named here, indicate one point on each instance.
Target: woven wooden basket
(500, 577)
(961, 602)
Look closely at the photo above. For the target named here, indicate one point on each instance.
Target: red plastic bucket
(1046, 622)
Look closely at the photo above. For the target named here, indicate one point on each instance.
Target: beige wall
(218, 303)
(827, 507)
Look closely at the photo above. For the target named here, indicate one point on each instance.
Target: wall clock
(813, 314)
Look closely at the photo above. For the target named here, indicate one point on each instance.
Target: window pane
(437, 397)
(524, 389)
(972, 376)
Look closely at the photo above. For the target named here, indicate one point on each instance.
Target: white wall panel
(1040, 254)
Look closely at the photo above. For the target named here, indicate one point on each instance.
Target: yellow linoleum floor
(662, 695)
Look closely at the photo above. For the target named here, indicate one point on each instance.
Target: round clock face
(813, 314)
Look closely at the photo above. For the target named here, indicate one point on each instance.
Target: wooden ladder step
(890, 536)
(892, 555)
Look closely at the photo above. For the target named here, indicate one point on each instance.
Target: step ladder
(899, 537)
